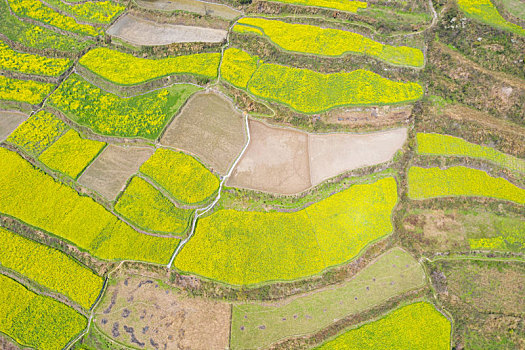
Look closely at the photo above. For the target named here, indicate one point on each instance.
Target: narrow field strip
(484, 11)
(415, 326)
(101, 12)
(149, 209)
(37, 37)
(311, 39)
(37, 199)
(437, 144)
(36, 321)
(181, 175)
(36, 10)
(460, 181)
(243, 248)
(125, 69)
(11, 60)
(342, 5)
(38, 132)
(28, 91)
(49, 268)
(258, 325)
(108, 114)
(71, 154)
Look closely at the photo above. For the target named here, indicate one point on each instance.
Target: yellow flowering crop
(437, 144)
(38, 11)
(342, 5)
(38, 132)
(415, 326)
(187, 180)
(250, 247)
(125, 69)
(91, 11)
(50, 268)
(29, 91)
(484, 11)
(108, 114)
(146, 207)
(31, 64)
(330, 42)
(35, 198)
(460, 181)
(237, 67)
(71, 154)
(36, 321)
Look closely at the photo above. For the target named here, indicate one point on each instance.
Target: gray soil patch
(139, 31)
(287, 161)
(210, 128)
(109, 173)
(194, 6)
(276, 161)
(9, 121)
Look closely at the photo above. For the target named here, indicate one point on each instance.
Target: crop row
(108, 114)
(311, 92)
(484, 11)
(36, 321)
(36, 10)
(37, 37)
(148, 208)
(185, 179)
(12, 60)
(50, 268)
(342, 5)
(28, 91)
(437, 144)
(245, 247)
(125, 69)
(330, 42)
(38, 200)
(415, 326)
(460, 181)
(91, 11)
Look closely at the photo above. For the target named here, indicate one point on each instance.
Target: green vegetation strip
(257, 325)
(49, 268)
(108, 114)
(240, 248)
(185, 179)
(330, 42)
(148, 208)
(342, 5)
(499, 234)
(102, 12)
(460, 181)
(71, 154)
(125, 69)
(38, 132)
(415, 326)
(37, 199)
(28, 91)
(484, 11)
(12, 60)
(36, 321)
(437, 144)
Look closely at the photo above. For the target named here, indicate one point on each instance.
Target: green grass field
(50, 268)
(393, 273)
(460, 181)
(242, 248)
(36, 321)
(415, 326)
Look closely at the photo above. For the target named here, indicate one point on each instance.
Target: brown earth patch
(210, 128)
(368, 116)
(139, 31)
(146, 313)
(194, 6)
(109, 173)
(9, 121)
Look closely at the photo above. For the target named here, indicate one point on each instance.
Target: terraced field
(485, 11)
(28, 91)
(348, 6)
(12, 60)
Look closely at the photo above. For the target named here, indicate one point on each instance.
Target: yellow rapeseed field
(342, 5)
(486, 12)
(29, 91)
(237, 67)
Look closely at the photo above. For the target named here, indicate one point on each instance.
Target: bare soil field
(332, 154)
(146, 313)
(210, 128)
(288, 161)
(194, 6)
(276, 160)
(9, 121)
(109, 173)
(139, 31)
(368, 116)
